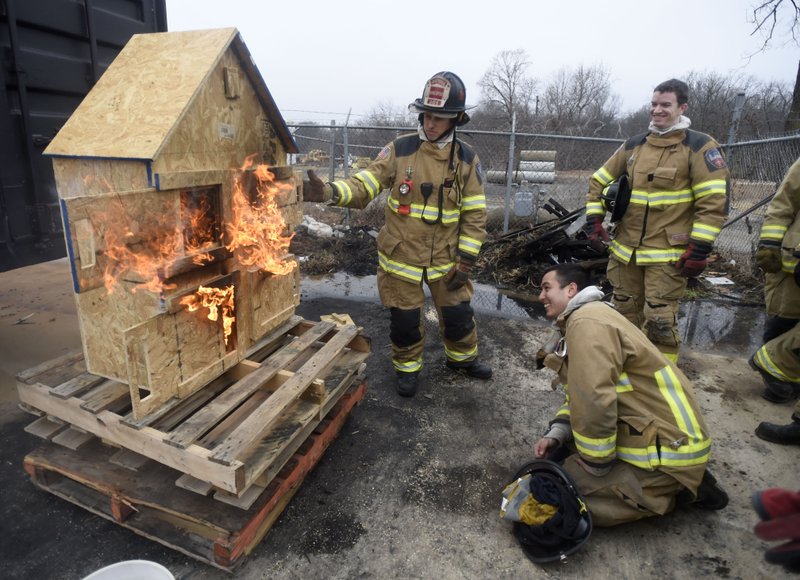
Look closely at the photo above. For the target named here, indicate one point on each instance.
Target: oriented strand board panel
(273, 300)
(78, 177)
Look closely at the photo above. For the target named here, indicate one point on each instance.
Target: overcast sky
(321, 59)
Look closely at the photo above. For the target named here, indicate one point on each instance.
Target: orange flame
(218, 301)
(256, 230)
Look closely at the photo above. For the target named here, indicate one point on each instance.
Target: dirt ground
(411, 488)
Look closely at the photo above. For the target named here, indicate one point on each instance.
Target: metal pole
(510, 170)
(346, 161)
(737, 116)
(332, 159)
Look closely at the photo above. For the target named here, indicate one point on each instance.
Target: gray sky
(321, 58)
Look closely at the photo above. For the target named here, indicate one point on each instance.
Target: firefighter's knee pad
(458, 321)
(404, 327)
(661, 323)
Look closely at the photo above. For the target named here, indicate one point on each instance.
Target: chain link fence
(514, 195)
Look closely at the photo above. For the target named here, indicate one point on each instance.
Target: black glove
(768, 258)
(458, 274)
(694, 260)
(314, 189)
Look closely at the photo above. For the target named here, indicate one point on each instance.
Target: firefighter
(777, 361)
(642, 444)
(435, 223)
(678, 203)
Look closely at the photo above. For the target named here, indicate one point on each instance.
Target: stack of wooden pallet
(236, 449)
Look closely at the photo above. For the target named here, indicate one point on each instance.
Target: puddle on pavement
(719, 325)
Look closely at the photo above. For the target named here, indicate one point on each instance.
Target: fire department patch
(714, 159)
(384, 153)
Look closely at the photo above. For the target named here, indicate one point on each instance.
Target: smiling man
(641, 441)
(678, 203)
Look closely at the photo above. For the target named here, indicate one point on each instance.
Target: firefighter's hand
(694, 260)
(458, 275)
(768, 258)
(779, 510)
(315, 190)
(594, 229)
(544, 447)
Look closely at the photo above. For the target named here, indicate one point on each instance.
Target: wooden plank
(66, 360)
(238, 442)
(146, 441)
(194, 485)
(73, 438)
(221, 406)
(128, 459)
(104, 396)
(45, 427)
(75, 386)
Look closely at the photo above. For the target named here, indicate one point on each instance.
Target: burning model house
(177, 211)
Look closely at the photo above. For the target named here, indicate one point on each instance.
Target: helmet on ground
(445, 96)
(616, 196)
(568, 529)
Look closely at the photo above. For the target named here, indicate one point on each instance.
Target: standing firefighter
(677, 206)
(778, 360)
(435, 225)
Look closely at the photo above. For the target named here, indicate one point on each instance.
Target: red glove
(780, 510)
(594, 229)
(458, 274)
(694, 260)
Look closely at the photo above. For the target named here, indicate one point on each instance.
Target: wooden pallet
(145, 501)
(233, 436)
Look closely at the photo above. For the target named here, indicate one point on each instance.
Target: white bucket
(132, 570)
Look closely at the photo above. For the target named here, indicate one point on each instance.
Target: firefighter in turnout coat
(677, 206)
(435, 224)
(641, 440)
(778, 360)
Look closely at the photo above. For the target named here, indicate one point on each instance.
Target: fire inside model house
(178, 209)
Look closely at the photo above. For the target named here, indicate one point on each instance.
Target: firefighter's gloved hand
(768, 258)
(694, 260)
(316, 190)
(458, 275)
(779, 510)
(594, 229)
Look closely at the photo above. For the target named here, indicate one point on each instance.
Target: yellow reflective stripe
(594, 208)
(563, 411)
(773, 232)
(710, 187)
(704, 232)
(624, 383)
(472, 202)
(672, 390)
(661, 256)
(457, 356)
(765, 362)
(371, 184)
(659, 198)
(433, 273)
(469, 245)
(406, 271)
(595, 447)
(624, 253)
(644, 457)
(344, 191)
(449, 216)
(690, 454)
(407, 366)
(602, 176)
(671, 356)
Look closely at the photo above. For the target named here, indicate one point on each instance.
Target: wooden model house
(178, 253)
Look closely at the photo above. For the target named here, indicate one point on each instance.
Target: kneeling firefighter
(435, 224)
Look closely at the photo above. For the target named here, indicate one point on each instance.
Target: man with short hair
(678, 203)
(435, 226)
(640, 437)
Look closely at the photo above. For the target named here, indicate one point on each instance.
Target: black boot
(473, 368)
(710, 496)
(776, 391)
(783, 434)
(407, 384)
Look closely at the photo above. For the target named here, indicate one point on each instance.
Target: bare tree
(580, 100)
(506, 87)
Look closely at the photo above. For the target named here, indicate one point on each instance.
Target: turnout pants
(648, 296)
(780, 357)
(406, 301)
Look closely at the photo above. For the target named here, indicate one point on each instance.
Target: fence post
(735, 118)
(510, 170)
(332, 160)
(346, 160)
